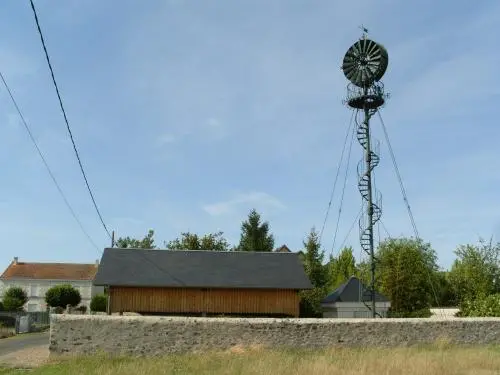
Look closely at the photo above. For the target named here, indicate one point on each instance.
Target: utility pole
(113, 239)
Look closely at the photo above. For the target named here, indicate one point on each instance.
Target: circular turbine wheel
(365, 62)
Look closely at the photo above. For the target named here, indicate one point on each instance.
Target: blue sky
(187, 114)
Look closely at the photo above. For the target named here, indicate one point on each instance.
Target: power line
(66, 119)
(336, 178)
(343, 187)
(45, 162)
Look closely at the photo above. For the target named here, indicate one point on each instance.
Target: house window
(34, 290)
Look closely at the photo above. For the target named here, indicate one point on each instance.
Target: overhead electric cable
(336, 177)
(66, 118)
(59, 189)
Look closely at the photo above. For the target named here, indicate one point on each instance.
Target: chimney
(16, 260)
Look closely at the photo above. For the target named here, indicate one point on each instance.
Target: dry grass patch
(442, 360)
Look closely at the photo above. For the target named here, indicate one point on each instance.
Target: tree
(476, 272)
(62, 295)
(406, 270)
(341, 268)
(446, 296)
(191, 241)
(481, 306)
(255, 235)
(147, 242)
(316, 271)
(98, 303)
(14, 299)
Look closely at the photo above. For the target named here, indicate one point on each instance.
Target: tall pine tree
(255, 235)
(317, 273)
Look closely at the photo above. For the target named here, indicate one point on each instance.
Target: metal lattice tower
(364, 64)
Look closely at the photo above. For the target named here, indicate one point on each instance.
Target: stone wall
(86, 334)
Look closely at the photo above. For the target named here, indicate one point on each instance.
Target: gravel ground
(29, 357)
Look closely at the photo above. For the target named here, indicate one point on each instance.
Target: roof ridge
(201, 251)
(51, 263)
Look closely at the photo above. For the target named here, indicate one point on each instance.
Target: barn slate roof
(352, 290)
(201, 269)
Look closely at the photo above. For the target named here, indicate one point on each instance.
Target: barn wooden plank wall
(210, 301)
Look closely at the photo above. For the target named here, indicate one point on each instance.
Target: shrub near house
(98, 303)
(14, 299)
(62, 296)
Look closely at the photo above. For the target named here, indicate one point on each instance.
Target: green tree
(406, 270)
(191, 241)
(255, 235)
(147, 242)
(482, 306)
(476, 271)
(98, 303)
(444, 289)
(310, 304)
(341, 268)
(14, 299)
(62, 295)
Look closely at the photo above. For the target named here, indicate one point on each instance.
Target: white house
(37, 278)
(352, 300)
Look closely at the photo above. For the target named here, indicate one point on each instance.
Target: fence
(24, 322)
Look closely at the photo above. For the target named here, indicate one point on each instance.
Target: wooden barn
(202, 282)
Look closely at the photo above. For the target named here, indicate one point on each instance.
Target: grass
(442, 360)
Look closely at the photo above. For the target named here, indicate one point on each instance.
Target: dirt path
(29, 357)
(29, 350)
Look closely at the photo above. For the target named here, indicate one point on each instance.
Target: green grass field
(407, 361)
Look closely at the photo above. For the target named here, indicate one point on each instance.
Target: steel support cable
(66, 118)
(51, 174)
(336, 177)
(343, 188)
(405, 198)
(351, 228)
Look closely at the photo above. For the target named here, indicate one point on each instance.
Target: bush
(488, 306)
(422, 313)
(7, 321)
(98, 303)
(82, 309)
(1, 306)
(58, 310)
(310, 303)
(14, 299)
(62, 295)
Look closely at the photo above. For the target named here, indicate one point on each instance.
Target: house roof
(352, 290)
(283, 249)
(201, 269)
(49, 271)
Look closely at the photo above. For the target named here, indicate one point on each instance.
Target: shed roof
(352, 290)
(49, 271)
(201, 269)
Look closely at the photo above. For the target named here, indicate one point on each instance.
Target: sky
(188, 114)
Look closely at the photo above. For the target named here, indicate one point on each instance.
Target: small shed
(188, 282)
(353, 300)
